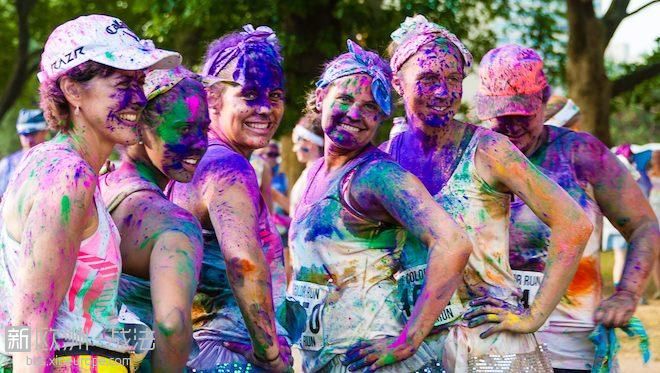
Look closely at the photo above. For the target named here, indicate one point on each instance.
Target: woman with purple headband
(345, 236)
(511, 96)
(242, 277)
(60, 259)
(473, 173)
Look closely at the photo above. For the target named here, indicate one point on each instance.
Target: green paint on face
(110, 56)
(168, 130)
(65, 207)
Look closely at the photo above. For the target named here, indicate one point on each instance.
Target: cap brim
(489, 107)
(138, 59)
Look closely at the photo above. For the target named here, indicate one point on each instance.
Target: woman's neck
(218, 134)
(432, 138)
(143, 167)
(336, 157)
(89, 144)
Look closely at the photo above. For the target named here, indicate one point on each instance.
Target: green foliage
(636, 114)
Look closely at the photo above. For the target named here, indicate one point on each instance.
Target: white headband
(564, 115)
(300, 131)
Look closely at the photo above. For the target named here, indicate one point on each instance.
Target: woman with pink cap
(60, 260)
(161, 243)
(242, 278)
(346, 232)
(511, 96)
(473, 172)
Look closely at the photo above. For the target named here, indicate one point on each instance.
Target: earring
(77, 111)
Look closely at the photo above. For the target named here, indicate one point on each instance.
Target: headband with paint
(262, 39)
(417, 31)
(563, 116)
(304, 133)
(158, 82)
(360, 61)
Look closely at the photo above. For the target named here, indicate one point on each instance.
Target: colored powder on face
(65, 207)
(178, 112)
(193, 104)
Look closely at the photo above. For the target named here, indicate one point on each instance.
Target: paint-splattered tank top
(343, 266)
(134, 292)
(215, 313)
(89, 309)
(483, 213)
(530, 236)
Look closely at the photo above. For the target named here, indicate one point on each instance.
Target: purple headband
(360, 61)
(262, 36)
(417, 31)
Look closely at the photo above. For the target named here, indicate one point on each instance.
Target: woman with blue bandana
(345, 234)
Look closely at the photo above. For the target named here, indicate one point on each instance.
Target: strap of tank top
(345, 182)
(129, 187)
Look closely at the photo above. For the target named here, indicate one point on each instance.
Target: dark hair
(312, 122)
(54, 103)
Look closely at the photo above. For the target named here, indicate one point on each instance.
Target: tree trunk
(588, 84)
(21, 70)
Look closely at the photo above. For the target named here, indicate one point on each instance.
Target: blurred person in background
(654, 199)
(308, 146)
(274, 185)
(32, 130)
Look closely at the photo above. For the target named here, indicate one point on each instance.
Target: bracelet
(266, 360)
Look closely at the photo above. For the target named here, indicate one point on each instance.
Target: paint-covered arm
(402, 199)
(163, 243)
(50, 243)
(232, 196)
(501, 164)
(624, 204)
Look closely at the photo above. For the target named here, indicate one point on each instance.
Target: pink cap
(511, 82)
(103, 39)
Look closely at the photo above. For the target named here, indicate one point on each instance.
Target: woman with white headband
(60, 259)
(473, 172)
(594, 178)
(308, 146)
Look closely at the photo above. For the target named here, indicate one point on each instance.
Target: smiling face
(349, 114)
(249, 114)
(523, 130)
(113, 104)
(176, 137)
(431, 83)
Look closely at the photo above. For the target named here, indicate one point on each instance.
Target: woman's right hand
(283, 362)
(515, 319)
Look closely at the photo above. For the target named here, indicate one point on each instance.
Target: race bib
(410, 283)
(312, 298)
(529, 282)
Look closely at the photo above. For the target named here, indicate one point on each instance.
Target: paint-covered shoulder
(220, 162)
(380, 173)
(63, 169)
(493, 144)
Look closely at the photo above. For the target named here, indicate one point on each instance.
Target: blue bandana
(359, 61)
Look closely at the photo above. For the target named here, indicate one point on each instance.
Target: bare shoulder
(222, 167)
(145, 215)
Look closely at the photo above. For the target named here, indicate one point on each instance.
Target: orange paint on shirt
(586, 278)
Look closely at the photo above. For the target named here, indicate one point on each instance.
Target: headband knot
(360, 61)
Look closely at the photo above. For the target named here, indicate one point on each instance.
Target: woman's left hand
(507, 317)
(373, 355)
